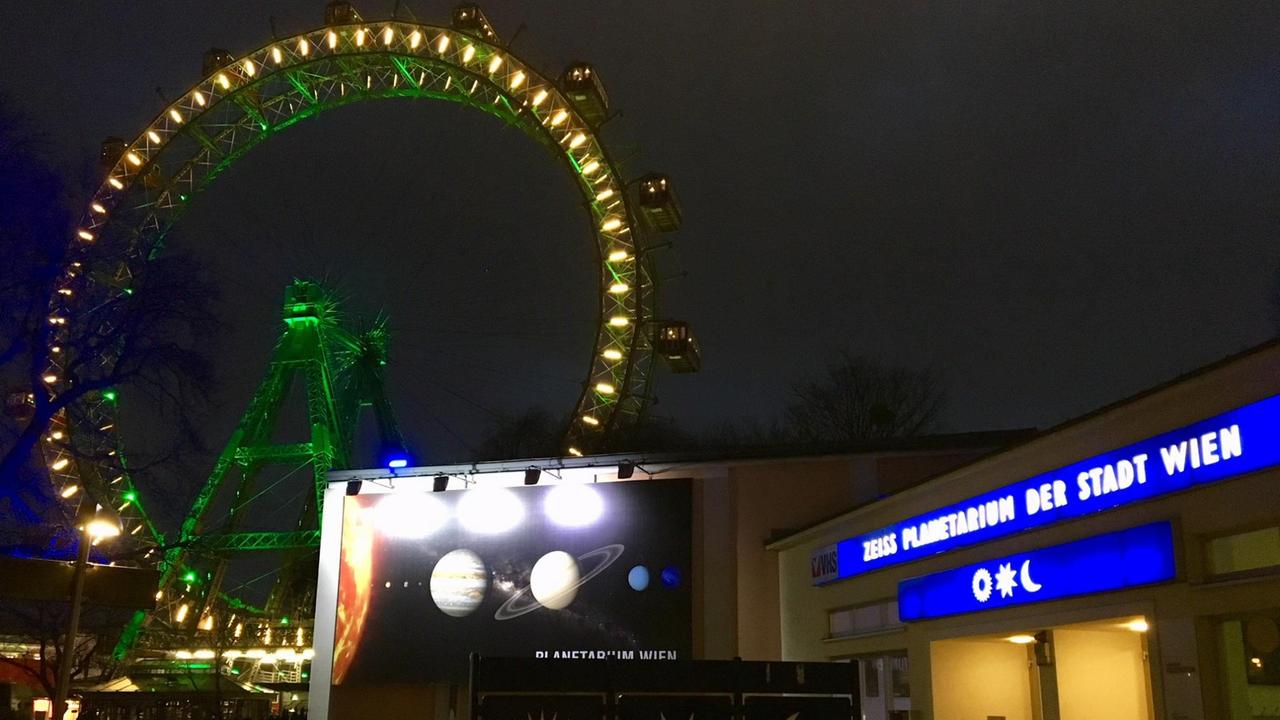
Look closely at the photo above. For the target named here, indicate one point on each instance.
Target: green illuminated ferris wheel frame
(243, 101)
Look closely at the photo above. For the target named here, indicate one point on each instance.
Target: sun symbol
(1006, 580)
(982, 585)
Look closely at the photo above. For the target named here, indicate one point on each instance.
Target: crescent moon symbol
(1027, 583)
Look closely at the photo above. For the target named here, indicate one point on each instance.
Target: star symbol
(1006, 580)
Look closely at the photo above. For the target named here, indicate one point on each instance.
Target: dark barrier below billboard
(520, 688)
(587, 571)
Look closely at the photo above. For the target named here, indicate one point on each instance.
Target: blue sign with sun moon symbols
(1114, 561)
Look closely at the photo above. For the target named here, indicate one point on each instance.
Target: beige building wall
(981, 679)
(767, 498)
(1186, 673)
(1101, 674)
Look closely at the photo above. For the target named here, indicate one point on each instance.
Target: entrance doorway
(885, 687)
(1089, 671)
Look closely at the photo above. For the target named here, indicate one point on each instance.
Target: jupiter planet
(459, 582)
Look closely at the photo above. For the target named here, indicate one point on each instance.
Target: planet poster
(595, 570)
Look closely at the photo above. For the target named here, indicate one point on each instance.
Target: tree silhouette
(859, 398)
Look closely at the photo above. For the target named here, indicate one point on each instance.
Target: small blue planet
(638, 578)
(671, 576)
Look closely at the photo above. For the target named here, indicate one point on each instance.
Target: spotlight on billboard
(573, 505)
(489, 511)
(411, 516)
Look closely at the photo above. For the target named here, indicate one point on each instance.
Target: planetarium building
(1123, 565)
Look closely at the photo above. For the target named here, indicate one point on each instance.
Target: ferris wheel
(241, 101)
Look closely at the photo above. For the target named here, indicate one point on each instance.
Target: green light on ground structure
(109, 395)
(189, 577)
(131, 496)
(284, 621)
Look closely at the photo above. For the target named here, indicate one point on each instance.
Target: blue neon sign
(1233, 443)
(1137, 556)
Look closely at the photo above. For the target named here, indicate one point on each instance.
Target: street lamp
(101, 524)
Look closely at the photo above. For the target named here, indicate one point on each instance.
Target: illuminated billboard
(556, 571)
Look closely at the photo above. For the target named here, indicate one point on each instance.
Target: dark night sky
(1056, 204)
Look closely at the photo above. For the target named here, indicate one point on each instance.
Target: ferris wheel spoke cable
(474, 370)
(227, 514)
(527, 372)
(259, 578)
(446, 389)
(452, 433)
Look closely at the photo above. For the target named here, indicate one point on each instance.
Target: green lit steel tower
(342, 371)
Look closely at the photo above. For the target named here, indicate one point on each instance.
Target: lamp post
(99, 525)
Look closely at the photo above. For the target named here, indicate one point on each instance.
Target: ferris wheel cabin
(110, 151)
(676, 344)
(582, 84)
(658, 202)
(340, 12)
(215, 59)
(471, 20)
